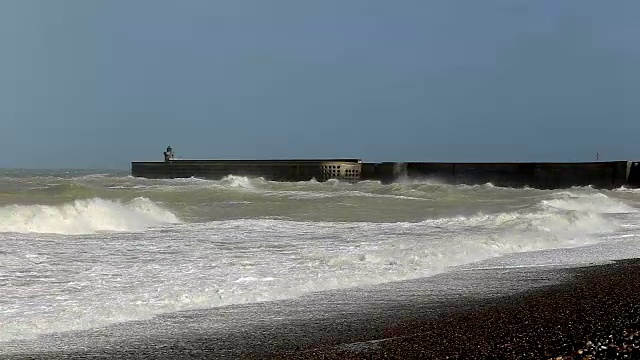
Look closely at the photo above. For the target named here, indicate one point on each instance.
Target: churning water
(82, 250)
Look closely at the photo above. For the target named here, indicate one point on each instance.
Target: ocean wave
(84, 217)
(258, 259)
(303, 190)
(625, 189)
(592, 201)
(70, 189)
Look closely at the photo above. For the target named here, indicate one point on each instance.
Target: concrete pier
(604, 175)
(633, 174)
(276, 170)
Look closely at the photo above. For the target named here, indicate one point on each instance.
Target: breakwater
(543, 175)
(276, 170)
(606, 175)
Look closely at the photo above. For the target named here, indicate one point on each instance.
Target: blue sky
(97, 84)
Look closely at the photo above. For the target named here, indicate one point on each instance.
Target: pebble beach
(594, 316)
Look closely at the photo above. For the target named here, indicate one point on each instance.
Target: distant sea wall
(276, 170)
(605, 175)
(633, 174)
(536, 175)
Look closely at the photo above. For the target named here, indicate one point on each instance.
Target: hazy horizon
(96, 85)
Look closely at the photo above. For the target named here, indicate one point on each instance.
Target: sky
(98, 84)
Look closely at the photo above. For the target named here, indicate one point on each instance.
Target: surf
(85, 217)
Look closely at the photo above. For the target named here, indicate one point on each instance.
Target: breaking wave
(85, 217)
(591, 202)
(261, 259)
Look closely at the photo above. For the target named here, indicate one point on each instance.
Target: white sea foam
(594, 202)
(241, 182)
(628, 190)
(257, 253)
(249, 260)
(84, 217)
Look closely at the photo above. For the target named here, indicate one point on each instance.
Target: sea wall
(536, 175)
(385, 172)
(633, 174)
(605, 175)
(276, 170)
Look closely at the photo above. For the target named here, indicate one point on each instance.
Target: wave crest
(591, 202)
(85, 217)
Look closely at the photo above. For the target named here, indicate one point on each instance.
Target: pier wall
(605, 175)
(276, 170)
(385, 172)
(633, 174)
(536, 175)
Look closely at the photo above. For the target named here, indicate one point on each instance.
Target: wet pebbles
(596, 316)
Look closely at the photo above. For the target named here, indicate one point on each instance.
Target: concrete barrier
(633, 174)
(276, 170)
(606, 175)
(369, 171)
(385, 172)
(537, 175)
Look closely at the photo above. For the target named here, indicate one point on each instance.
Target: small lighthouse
(168, 155)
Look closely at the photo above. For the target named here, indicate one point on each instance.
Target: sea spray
(145, 247)
(84, 217)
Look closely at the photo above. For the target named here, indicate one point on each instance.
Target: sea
(96, 258)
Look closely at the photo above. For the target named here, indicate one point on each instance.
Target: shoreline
(567, 307)
(555, 321)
